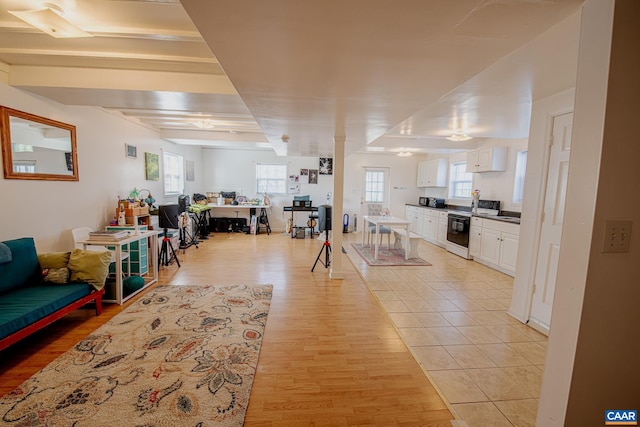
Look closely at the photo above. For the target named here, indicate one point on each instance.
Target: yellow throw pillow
(59, 276)
(90, 266)
(54, 260)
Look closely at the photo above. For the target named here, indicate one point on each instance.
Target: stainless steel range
(458, 233)
(459, 223)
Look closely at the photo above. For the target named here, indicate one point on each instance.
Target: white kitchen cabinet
(430, 225)
(433, 173)
(475, 237)
(492, 159)
(443, 222)
(499, 245)
(413, 214)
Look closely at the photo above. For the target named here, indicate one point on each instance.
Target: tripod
(326, 248)
(165, 258)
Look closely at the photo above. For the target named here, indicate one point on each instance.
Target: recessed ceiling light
(459, 136)
(50, 20)
(204, 124)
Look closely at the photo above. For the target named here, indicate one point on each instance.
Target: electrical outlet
(617, 236)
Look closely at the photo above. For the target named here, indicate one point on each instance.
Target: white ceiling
(387, 75)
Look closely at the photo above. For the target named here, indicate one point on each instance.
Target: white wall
(48, 210)
(235, 170)
(499, 185)
(219, 176)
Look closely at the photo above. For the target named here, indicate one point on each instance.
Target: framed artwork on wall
(326, 166)
(313, 176)
(131, 151)
(152, 166)
(190, 170)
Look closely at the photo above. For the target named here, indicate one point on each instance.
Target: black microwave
(423, 201)
(434, 202)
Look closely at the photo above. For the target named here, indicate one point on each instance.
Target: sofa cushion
(90, 266)
(29, 304)
(54, 259)
(5, 253)
(23, 269)
(59, 276)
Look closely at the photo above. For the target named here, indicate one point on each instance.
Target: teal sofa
(27, 303)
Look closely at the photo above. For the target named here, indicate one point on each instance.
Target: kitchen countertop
(504, 218)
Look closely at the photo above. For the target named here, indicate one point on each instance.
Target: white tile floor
(453, 316)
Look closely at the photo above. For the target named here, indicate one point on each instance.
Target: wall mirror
(35, 147)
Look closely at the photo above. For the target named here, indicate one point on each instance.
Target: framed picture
(152, 166)
(326, 166)
(304, 176)
(313, 176)
(190, 170)
(131, 151)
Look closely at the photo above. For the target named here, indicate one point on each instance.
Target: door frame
(543, 115)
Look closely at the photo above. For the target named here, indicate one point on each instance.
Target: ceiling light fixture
(459, 136)
(50, 20)
(405, 154)
(204, 124)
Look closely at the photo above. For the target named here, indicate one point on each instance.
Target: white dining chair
(375, 209)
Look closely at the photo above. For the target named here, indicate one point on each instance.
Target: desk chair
(375, 209)
(82, 233)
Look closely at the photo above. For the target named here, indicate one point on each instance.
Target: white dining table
(387, 221)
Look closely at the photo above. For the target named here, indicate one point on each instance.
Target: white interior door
(551, 231)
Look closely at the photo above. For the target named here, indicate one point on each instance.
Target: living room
(47, 210)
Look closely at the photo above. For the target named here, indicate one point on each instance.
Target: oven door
(458, 229)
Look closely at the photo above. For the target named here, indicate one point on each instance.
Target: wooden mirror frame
(7, 152)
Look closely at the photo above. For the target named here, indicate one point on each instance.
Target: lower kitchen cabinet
(498, 244)
(443, 222)
(475, 237)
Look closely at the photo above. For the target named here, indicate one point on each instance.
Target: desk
(294, 209)
(386, 221)
(261, 219)
(145, 237)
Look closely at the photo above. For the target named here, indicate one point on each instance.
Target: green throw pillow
(54, 260)
(59, 276)
(90, 266)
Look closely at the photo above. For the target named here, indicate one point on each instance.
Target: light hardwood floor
(330, 353)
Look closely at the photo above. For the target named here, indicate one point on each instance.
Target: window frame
(282, 180)
(453, 182)
(520, 173)
(385, 185)
(168, 174)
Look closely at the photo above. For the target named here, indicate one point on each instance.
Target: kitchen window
(460, 181)
(521, 169)
(271, 179)
(375, 185)
(173, 173)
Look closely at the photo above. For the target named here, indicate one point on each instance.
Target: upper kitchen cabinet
(433, 173)
(492, 159)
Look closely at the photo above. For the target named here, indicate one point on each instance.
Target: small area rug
(386, 256)
(180, 356)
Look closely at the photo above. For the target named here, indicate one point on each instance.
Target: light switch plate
(617, 236)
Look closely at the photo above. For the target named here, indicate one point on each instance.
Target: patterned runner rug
(180, 356)
(386, 256)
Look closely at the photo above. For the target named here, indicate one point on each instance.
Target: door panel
(551, 230)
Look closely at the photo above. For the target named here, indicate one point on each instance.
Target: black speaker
(168, 216)
(324, 218)
(183, 203)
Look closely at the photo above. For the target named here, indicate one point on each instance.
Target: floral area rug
(386, 256)
(181, 356)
